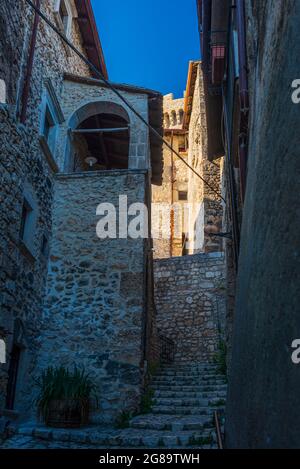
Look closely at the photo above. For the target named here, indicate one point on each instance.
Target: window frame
(3, 92)
(65, 29)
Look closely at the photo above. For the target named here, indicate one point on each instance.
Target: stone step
(190, 394)
(202, 376)
(172, 422)
(128, 438)
(185, 410)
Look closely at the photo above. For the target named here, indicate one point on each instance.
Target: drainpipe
(172, 197)
(29, 67)
(244, 95)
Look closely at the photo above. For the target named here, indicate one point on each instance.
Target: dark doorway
(103, 138)
(12, 376)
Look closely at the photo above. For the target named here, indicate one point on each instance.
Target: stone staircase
(182, 416)
(185, 398)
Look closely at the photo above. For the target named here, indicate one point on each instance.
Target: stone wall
(263, 401)
(206, 207)
(95, 308)
(190, 302)
(78, 94)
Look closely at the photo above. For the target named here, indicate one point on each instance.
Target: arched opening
(100, 140)
(181, 114)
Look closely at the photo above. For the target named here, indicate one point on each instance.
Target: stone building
(68, 297)
(185, 210)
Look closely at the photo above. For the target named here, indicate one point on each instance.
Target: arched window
(173, 118)
(2, 92)
(181, 114)
(19, 344)
(100, 140)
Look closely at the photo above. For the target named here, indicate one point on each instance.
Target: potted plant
(64, 397)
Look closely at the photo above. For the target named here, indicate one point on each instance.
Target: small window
(25, 218)
(64, 16)
(2, 92)
(15, 357)
(173, 118)
(44, 248)
(182, 195)
(51, 118)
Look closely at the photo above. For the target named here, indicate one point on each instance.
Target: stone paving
(182, 416)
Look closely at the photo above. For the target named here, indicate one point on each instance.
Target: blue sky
(149, 42)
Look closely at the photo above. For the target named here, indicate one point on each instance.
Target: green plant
(147, 401)
(220, 358)
(201, 441)
(58, 383)
(123, 419)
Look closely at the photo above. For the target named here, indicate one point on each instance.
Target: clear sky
(149, 42)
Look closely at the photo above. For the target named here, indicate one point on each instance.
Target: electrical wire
(120, 96)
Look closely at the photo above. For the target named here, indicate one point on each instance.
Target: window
(182, 195)
(44, 248)
(25, 218)
(28, 220)
(173, 118)
(2, 92)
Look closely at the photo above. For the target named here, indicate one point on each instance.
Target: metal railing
(167, 349)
